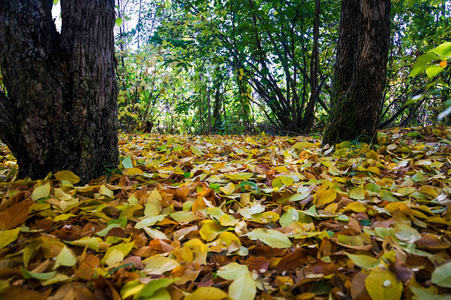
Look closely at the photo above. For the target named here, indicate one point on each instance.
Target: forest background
(212, 212)
(194, 67)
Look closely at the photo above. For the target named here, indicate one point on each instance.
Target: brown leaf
(135, 260)
(358, 289)
(258, 263)
(73, 290)
(19, 293)
(294, 260)
(431, 241)
(15, 215)
(87, 268)
(103, 289)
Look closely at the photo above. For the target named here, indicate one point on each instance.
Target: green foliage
(435, 64)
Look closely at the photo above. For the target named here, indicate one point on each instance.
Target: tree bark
(360, 71)
(60, 111)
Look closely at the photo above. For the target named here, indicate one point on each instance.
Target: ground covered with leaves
(231, 217)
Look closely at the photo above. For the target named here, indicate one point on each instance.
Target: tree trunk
(360, 71)
(60, 111)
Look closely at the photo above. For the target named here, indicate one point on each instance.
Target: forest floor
(236, 217)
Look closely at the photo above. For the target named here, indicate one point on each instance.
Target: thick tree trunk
(360, 70)
(60, 112)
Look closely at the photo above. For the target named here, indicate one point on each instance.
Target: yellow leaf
(243, 288)
(332, 207)
(303, 145)
(266, 217)
(199, 250)
(324, 197)
(228, 238)
(270, 237)
(406, 191)
(184, 216)
(131, 288)
(41, 191)
(60, 194)
(157, 265)
(124, 247)
(67, 175)
(357, 193)
(8, 236)
(92, 243)
(374, 170)
(210, 230)
(383, 284)
(443, 64)
(356, 206)
(114, 257)
(133, 171)
(429, 191)
(196, 151)
(154, 196)
(227, 220)
(106, 191)
(30, 251)
(228, 189)
(239, 176)
(207, 293)
(373, 155)
(282, 180)
(63, 217)
(65, 258)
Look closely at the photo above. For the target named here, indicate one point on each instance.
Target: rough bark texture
(360, 70)
(60, 112)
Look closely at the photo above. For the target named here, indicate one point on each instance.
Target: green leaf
(105, 231)
(118, 22)
(422, 63)
(42, 191)
(388, 196)
(290, 217)
(127, 162)
(442, 275)
(270, 237)
(433, 71)
(428, 293)
(153, 286)
(363, 261)
(442, 49)
(41, 276)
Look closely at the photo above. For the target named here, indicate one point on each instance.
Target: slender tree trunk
(60, 111)
(360, 70)
(309, 113)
